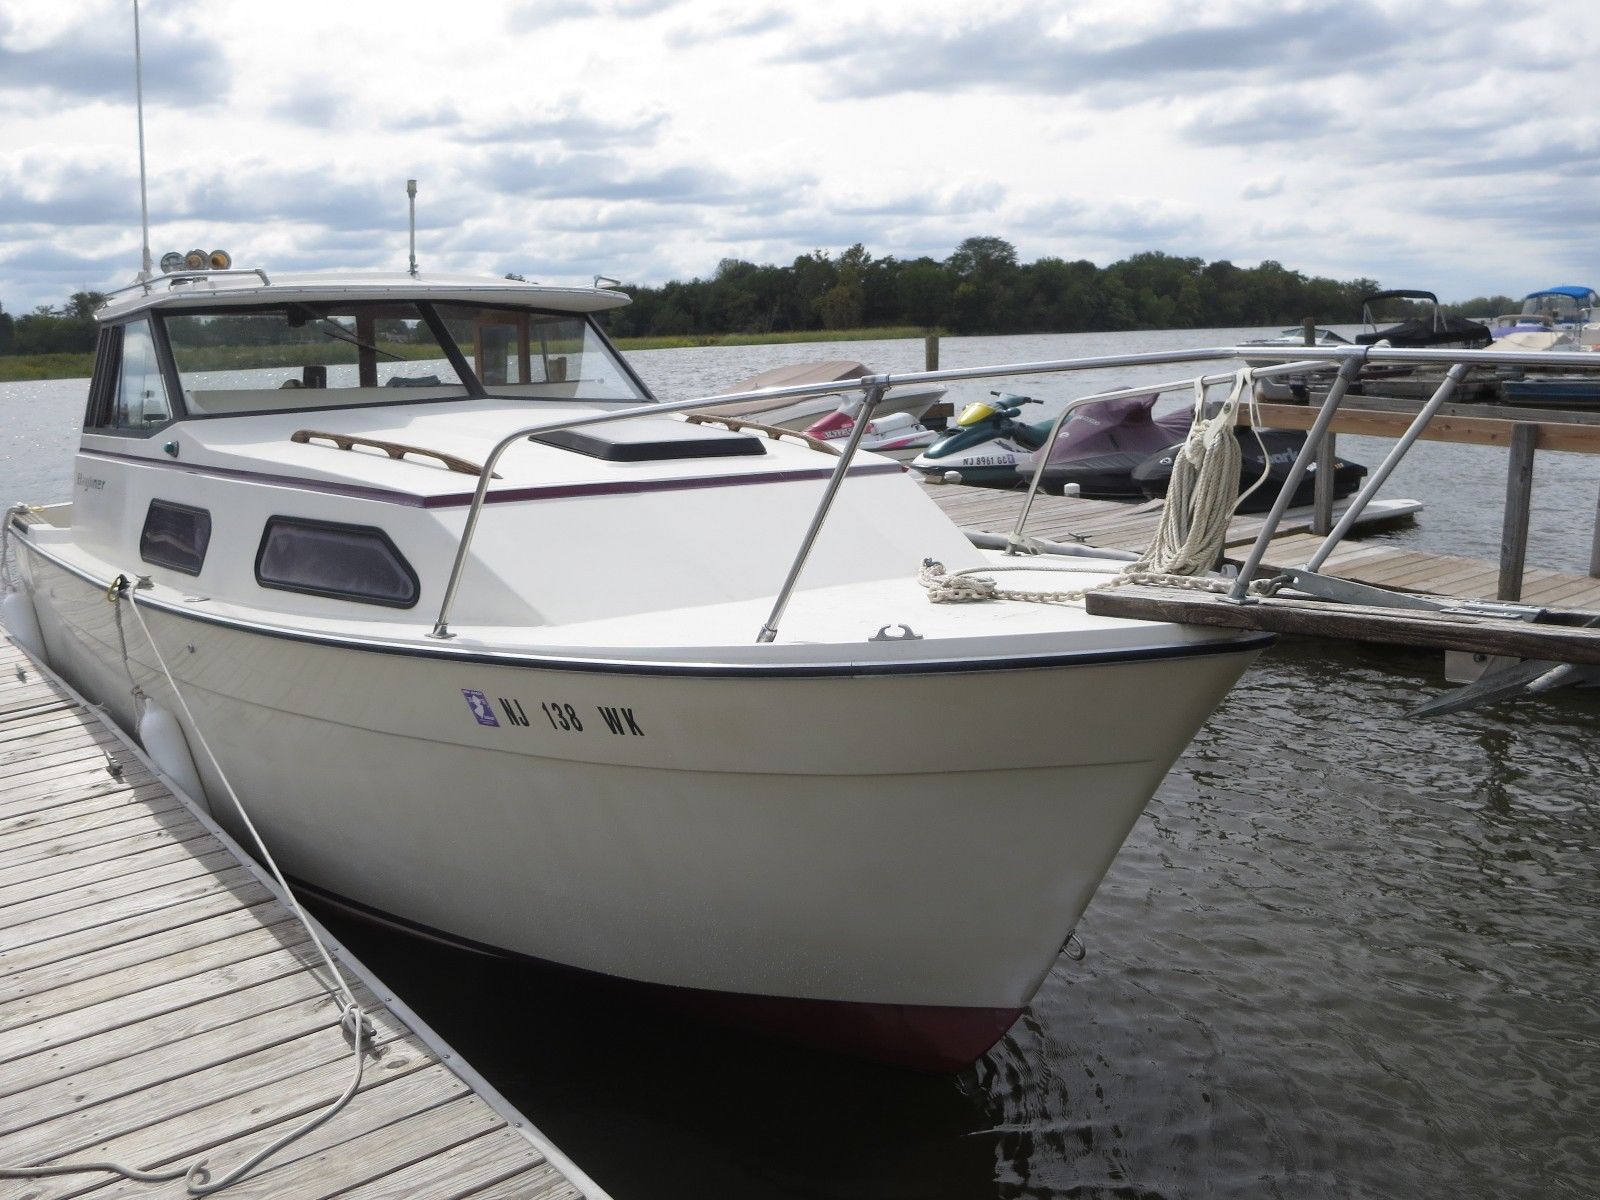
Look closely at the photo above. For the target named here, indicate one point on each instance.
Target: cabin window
(137, 401)
(548, 355)
(175, 536)
(327, 347)
(345, 562)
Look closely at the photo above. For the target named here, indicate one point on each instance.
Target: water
(1342, 954)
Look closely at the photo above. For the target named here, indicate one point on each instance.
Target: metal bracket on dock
(1505, 610)
(1347, 591)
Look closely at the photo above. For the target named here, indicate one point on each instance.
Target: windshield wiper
(339, 333)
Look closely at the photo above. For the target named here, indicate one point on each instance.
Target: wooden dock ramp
(1115, 525)
(160, 1004)
(1473, 632)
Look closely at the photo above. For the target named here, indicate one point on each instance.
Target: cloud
(92, 59)
(531, 16)
(727, 24)
(1026, 50)
(1262, 189)
(603, 177)
(1262, 118)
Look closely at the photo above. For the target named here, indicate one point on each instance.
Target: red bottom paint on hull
(921, 1037)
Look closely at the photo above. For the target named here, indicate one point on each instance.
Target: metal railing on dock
(161, 1005)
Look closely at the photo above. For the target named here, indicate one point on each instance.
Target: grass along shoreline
(18, 368)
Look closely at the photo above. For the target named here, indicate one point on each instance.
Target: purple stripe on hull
(555, 491)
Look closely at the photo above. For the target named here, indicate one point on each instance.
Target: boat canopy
(1563, 300)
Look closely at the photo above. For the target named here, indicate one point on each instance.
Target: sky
(1451, 145)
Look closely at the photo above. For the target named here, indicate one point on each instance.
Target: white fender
(163, 740)
(16, 612)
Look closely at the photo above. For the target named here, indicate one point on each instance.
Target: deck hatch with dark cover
(652, 441)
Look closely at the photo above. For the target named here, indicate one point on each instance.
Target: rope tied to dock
(1202, 499)
(8, 578)
(353, 1019)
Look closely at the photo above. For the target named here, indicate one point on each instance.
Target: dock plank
(101, 961)
(415, 1118)
(18, 962)
(238, 1118)
(190, 1024)
(537, 1184)
(86, 984)
(488, 1159)
(158, 1003)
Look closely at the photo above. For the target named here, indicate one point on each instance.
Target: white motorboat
(655, 731)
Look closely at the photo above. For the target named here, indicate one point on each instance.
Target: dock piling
(1322, 499)
(1519, 503)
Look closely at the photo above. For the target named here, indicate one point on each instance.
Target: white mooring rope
(1202, 498)
(352, 1019)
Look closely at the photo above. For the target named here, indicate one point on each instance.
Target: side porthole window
(345, 562)
(175, 536)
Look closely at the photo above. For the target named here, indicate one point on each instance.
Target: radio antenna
(411, 193)
(145, 271)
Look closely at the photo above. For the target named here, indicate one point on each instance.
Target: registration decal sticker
(480, 706)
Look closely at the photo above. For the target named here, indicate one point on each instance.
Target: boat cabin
(309, 448)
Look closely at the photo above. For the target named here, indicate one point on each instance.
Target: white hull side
(830, 838)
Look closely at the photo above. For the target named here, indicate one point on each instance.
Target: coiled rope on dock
(1189, 540)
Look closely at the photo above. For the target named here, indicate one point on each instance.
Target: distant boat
(1433, 330)
(1436, 329)
(1559, 317)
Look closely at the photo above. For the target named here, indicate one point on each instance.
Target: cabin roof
(252, 286)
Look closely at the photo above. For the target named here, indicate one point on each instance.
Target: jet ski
(1276, 449)
(989, 445)
(897, 435)
(1101, 444)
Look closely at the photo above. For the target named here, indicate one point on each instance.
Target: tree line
(983, 288)
(980, 288)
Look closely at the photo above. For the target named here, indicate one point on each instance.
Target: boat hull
(814, 838)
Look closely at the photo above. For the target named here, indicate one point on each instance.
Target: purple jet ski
(1101, 444)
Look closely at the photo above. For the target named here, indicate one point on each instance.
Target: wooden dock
(1115, 525)
(159, 1003)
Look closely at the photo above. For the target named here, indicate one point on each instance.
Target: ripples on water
(1344, 953)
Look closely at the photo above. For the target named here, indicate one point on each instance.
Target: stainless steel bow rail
(1346, 361)
(873, 387)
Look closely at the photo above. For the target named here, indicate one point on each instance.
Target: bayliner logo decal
(482, 710)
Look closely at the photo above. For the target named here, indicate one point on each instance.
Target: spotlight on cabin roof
(197, 260)
(170, 262)
(221, 260)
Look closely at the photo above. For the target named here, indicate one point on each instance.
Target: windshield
(1558, 305)
(334, 346)
(544, 355)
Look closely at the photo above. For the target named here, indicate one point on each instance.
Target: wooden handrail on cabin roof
(395, 450)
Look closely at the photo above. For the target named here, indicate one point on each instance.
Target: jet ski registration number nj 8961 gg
(990, 460)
